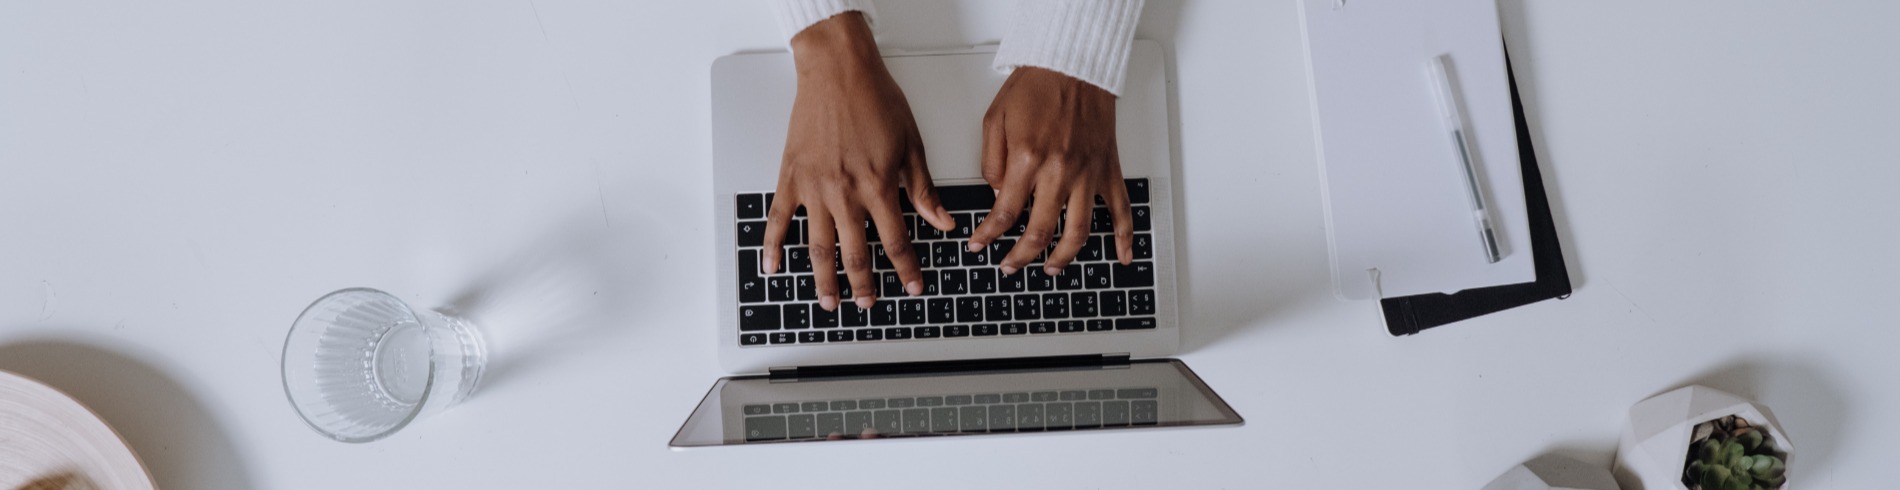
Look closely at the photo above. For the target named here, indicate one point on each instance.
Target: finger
(1075, 234)
(923, 193)
(1043, 217)
(889, 218)
(856, 254)
(824, 253)
(1010, 202)
(777, 220)
(1115, 195)
(995, 152)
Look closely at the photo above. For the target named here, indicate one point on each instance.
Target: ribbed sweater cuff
(1086, 39)
(796, 15)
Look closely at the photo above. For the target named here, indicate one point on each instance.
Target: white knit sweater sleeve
(796, 15)
(1086, 39)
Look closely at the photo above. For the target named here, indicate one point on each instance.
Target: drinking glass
(359, 364)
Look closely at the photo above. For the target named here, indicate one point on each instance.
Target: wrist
(842, 42)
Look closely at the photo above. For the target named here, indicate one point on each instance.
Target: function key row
(926, 421)
(873, 334)
(940, 311)
(951, 400)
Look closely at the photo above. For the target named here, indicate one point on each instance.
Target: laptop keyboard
(952, 414)
(965, 295)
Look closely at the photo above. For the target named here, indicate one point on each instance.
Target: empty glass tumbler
(360, 364)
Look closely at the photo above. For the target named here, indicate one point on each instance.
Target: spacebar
(975, 197)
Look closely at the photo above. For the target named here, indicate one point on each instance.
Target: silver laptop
(980, 352)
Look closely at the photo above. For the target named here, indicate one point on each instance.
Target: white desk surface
(179, 179)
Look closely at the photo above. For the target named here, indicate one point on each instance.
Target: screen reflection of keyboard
(965, 294)
(952, 414)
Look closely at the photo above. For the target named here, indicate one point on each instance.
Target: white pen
(1448, 106)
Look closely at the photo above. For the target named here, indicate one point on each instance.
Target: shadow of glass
(170, 430)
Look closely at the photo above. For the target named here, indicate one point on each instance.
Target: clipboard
(1407, 315)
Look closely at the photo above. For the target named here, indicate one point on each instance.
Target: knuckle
(856, 263)
(1036, 238)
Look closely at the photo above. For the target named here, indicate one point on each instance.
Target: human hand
(1051, 136)
(852, 144)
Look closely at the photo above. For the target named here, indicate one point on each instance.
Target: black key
(1101, 221)
(966, 226)
(977, 258)
(942, 310)
(1144, 412)
(987, 399)
(884, 312)
(1134, 393)
(871, 403)
(929, 332)
(888, 422)
(955, 281)
(922, 251)
(910, 312)
(1091, 251)
(903, 402)
(751, 286)
(811, 337)
(924, 231)
(983, 329)
(797, 316)
(823, 319)
(891, 285)
(1003, 417)
(1142, 221)
(768, 201)
(869, 334)
(956, 330)
(943, 419)
(1096, 276)
(999, 248)
(1055, 305)
(751, 339)
(1043, 396)
(784, 337)
(1115, 412)
(870, 232)
(1141, 302)
(969, 309)
(1138, 191)
(897, 333)
(856, 422)
(798, 260)
(758, 317)
(982, 281)
(751, 206)
(1100, 325)
(830, 424)
(1038, 280)
(957, 400)
(930, 401)
(1072, 395)
(1069, 326)
(1071, 278)
(904, 206)
(880, 260)
(1088, 414)
(850, 315)
(760, 409)
(1144, 246)
(751, 233)
(1027, 306)
(766, 428)
(795, 234)
(945, 254)
(1081, 305)
(805, 287)
(966, 197)
(838, 336)
(1114, 303)
(1022, 225)
(1042, 327)
(1015, 328)
(1101, 394)
(973, 419)
(930, 282)
(1058, 416)
(844, 286)
(813, 406)
(996, 308)
(1029, 417)
(1014, 283)
(916, 420)
(1140, 323)
(779, 288)
(1136, 275)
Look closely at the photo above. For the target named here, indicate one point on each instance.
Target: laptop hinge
(960, 365)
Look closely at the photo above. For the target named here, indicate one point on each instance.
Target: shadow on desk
(170, 430)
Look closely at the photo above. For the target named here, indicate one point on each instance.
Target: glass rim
(283, 372)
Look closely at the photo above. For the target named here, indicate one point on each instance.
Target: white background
(179, 179)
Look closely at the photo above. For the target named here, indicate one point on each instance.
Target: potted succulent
(1699, 438)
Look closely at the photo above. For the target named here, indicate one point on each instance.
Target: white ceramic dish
(49, 441)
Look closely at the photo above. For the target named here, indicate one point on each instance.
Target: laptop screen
(1140, 394)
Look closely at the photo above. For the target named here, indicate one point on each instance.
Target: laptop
(980, 353)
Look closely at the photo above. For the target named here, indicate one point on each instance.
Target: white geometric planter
(1553, 472)
(1655, 442)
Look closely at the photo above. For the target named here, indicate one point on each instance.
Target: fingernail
(914, 288)
(974, 246)
(828, 302)
(942, 212)
(1007, 270)
(866, 302)
(1052, 270)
